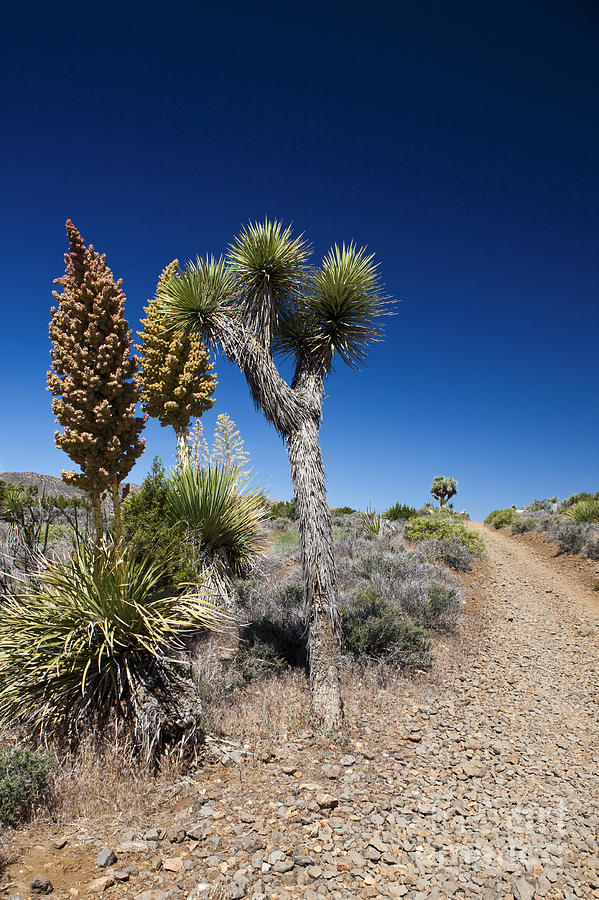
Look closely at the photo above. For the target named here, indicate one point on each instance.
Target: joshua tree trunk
(320, 580)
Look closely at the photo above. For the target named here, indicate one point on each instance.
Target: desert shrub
(584, 511)
(24, 782)
(93, 638)
(274, 634)
(570, 536)
(442, 527)
(591, 548)
(539, 505)
(283, 509)
(499, 518)
(596, 585)
(522, 524)
(444, 602)
(400, 511)
(343, 511)
(270, 646)
(147, 532)
(403, 579)
(450, 552)
(573, 499)
(60, 534)
(376, 629)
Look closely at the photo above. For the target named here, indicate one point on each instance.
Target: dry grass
(265, 708)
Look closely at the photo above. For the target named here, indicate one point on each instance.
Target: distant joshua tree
(176, 376)
(443, 489)
(262, 300)
(91, 377)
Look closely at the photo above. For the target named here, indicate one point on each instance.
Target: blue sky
(460, 142)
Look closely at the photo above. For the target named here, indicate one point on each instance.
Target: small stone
(303, 861)
(106, 857)
(236, 890)
(100, 885)
(173, 864)
(59, 843)
(347, 760)
(314, 871)
(327, 801)
(120, 875)
(154, 834)
(151, 895)
(199, 891)
(522, 890)
(41, 885)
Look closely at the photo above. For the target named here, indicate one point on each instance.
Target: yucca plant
(96, 638)
(584, 511)
(265, 300)
(223, 515)
(371, 522)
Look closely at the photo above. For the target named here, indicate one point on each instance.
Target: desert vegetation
(571, 523)
(130, 615)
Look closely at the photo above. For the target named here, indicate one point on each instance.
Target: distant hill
(49, 485)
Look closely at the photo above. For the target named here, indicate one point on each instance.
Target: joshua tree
(175, 377)
(92, 377)
(264, 300)
(443, 489)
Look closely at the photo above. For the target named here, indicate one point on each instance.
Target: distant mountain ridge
(50, 485)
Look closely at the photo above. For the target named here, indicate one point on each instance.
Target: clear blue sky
(459, 141)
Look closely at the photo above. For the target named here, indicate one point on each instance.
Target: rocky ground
(481, 780)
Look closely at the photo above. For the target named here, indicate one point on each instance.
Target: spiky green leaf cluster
(75, 643)
(224, 516)
(270, 265)
(267, 289)
(201, 299)
(339, 313)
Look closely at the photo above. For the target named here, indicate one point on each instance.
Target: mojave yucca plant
(584, 511)
(224, 517)
(95, 637)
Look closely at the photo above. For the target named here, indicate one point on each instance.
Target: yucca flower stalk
(96, 638)
(264, 299)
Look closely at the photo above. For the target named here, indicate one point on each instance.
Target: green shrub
(24, 777)
(79, 644)
(440, 527)
(372, 628)
(499, 518)
(59, 533)
(342, 511)
(596, 584)
(443, 603)
(522, 524)
(570, 536)
(584, 511)
(400, 511)
(147, 532)
(283, 509)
